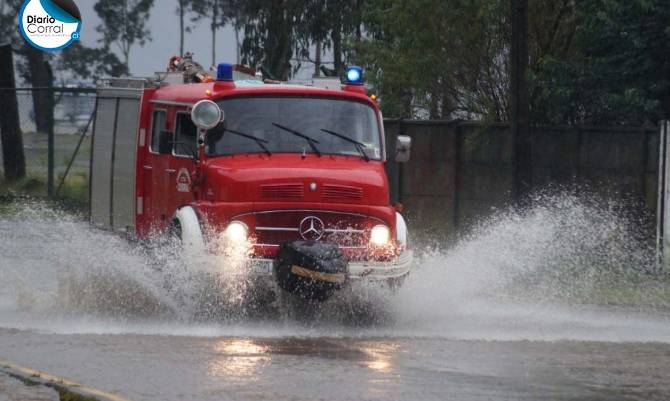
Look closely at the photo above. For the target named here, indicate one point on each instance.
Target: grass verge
(73, 195)
(64, 394)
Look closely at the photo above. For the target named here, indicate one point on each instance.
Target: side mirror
(164, 142)
(403, 147)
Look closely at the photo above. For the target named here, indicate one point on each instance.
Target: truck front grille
(348, 230)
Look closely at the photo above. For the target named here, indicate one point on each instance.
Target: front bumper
(357, 270)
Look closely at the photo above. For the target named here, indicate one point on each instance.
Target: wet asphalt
(173, 367)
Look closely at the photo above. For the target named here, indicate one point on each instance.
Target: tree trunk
(237, 44)
(125, 43)
(337, 49)
(40, 78)
(126, 60)
(181, 27)
(317, 60)
(13, 159)
(215, 21)
(277, 57)
(359, 21)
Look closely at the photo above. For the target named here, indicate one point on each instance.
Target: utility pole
(520, 112)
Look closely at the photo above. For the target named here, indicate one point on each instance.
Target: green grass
(63, 393)
(629, 289)
(67, 395)
(73, 195)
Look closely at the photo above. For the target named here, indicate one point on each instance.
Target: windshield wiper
(311, 141)
(359, 145)
(259, 141)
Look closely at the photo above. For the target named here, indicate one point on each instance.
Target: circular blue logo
(50, 25)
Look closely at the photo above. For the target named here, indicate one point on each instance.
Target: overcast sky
(164, 26)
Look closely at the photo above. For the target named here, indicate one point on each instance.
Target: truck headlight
(380, 235)
(236, 232)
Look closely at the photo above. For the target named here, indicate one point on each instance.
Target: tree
(618, 71)
(181, 11)
(220, 12)
(270, 33)
(124, 24)
(451, 64)
(328, 25)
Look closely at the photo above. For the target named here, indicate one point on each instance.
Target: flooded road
(554, 304)
(141, 367)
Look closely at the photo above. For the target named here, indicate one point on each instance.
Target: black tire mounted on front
(311, 270)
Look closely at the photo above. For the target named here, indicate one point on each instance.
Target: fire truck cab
(294, 173)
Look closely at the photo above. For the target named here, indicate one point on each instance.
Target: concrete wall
(460, 172)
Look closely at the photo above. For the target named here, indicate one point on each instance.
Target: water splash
(516, 276)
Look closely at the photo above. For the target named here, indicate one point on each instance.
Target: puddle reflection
(239, 358)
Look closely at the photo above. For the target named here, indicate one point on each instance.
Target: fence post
(50, 134)
(662, 198)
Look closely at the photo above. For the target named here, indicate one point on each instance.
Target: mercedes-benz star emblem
(311, 228)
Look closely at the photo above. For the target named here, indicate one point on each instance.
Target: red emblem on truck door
(183, 180)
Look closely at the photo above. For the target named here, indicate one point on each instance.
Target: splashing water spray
(542, 274)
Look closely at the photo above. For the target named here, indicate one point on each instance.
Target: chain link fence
(72, 128)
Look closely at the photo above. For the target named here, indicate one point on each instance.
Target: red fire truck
(292, 173)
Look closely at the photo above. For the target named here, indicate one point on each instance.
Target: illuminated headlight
(206, 114)
(380, 235)
(236, 232)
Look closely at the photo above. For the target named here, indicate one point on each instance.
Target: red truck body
(280, 196)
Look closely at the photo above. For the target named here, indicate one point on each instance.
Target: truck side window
(158, 124)
(186, 135)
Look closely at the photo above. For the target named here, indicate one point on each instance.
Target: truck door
(182, 162)
(155, 174)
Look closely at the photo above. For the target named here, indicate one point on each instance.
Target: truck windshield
(274, 121)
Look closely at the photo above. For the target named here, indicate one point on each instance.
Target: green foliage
(620, 71)
(591, 61)
(270, 28)
(437, 58)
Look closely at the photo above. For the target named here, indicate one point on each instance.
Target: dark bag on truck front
(311, 270)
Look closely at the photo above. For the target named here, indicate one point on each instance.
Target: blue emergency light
(354, 75)
(224, 72)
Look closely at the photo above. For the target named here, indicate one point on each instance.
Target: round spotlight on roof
(354, 75)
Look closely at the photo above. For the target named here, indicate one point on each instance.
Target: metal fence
(64, 165)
